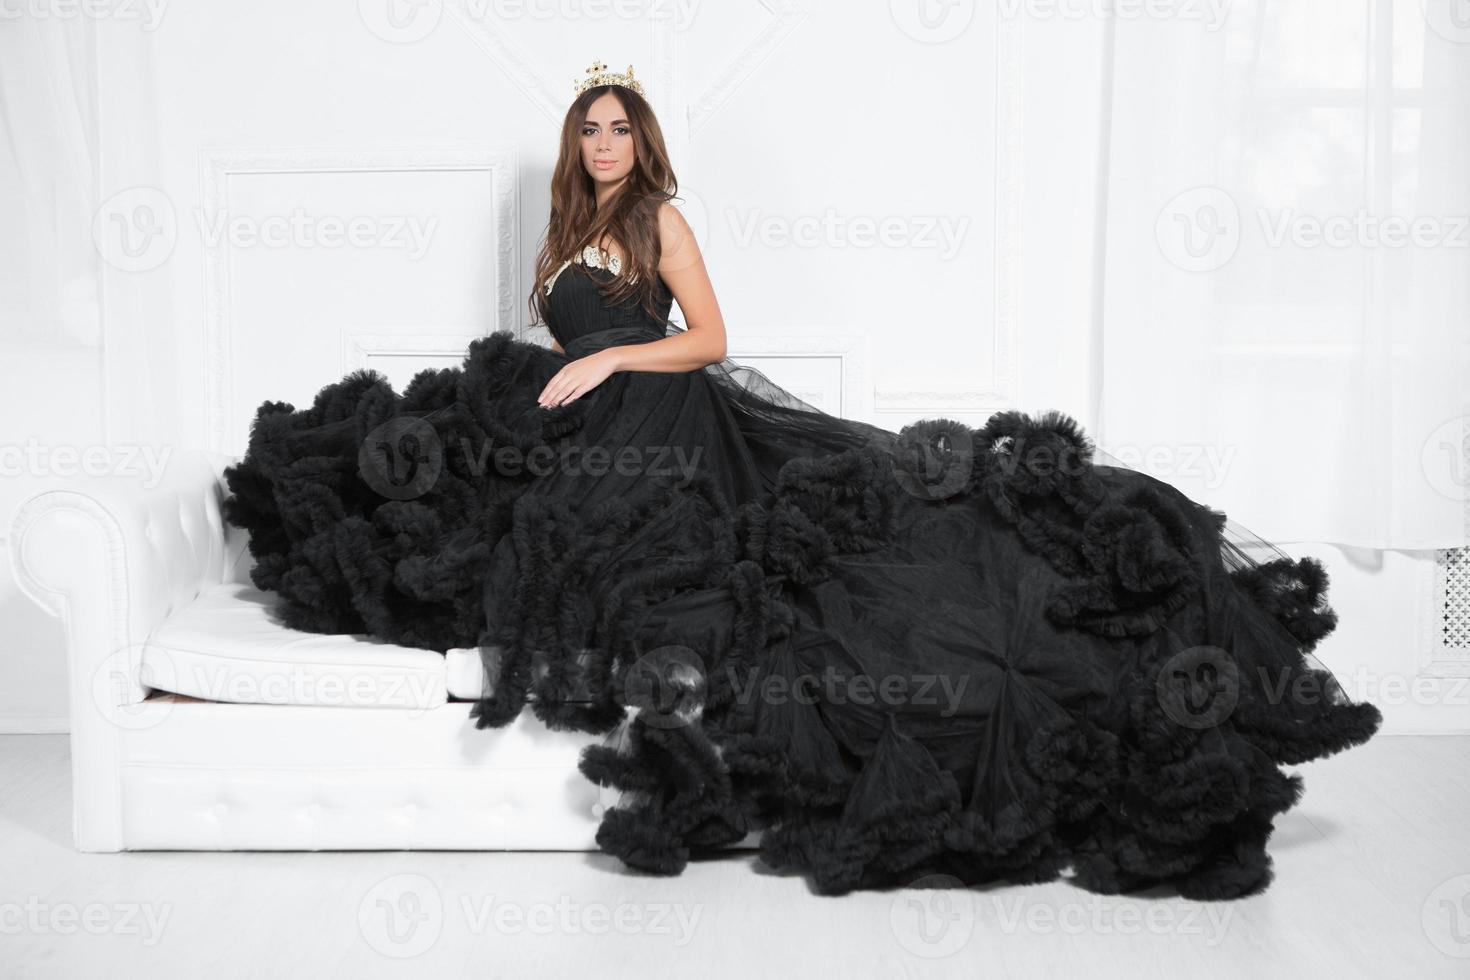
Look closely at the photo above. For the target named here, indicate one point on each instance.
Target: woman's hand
(578, 377)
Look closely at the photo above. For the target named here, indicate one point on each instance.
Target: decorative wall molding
(1008, 162)
(1001, 392)
(547, 83)
(524, 69)
(938, 401)
(787, 16)
(359, 350)
(219, 165)
(848, 350)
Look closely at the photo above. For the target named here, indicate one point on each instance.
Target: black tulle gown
(980, 653)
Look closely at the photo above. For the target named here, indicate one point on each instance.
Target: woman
(942, 650)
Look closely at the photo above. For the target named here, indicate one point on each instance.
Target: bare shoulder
(678, 247)
(671, 219)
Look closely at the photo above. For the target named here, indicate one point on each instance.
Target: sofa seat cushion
(465, 674)
(228, 645)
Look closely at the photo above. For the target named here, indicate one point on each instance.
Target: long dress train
(982, 653)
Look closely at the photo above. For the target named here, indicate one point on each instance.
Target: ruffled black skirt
(980, 653)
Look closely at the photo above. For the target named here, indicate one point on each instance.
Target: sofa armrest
(112, 558)
(122, 556)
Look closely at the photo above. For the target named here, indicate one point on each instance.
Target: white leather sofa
(199, 723)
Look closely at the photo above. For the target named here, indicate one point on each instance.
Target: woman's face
(607, 141)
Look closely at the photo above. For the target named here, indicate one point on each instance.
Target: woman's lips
(603, 164)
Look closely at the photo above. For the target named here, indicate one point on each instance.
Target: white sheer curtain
(1285, 312)
(48, 117)
(82, 200)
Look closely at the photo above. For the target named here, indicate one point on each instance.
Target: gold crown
(599, 75)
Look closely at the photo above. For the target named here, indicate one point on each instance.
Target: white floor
(1373, 880)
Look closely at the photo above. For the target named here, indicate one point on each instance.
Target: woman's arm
(682, 267)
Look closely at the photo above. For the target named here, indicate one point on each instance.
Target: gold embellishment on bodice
(590, 256)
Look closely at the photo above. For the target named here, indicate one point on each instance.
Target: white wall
(776, 120)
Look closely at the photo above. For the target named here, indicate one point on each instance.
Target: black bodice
(583, 321)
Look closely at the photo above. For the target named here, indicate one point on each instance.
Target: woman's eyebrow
(613, 123)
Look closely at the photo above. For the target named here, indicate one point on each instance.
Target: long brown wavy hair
(630, 218)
